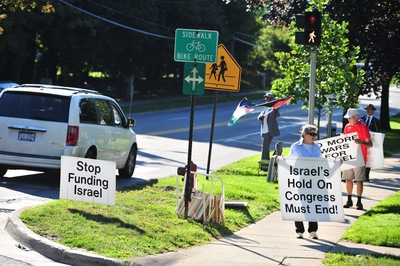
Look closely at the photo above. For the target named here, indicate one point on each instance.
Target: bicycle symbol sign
(195, 46)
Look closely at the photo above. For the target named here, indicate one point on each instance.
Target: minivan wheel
(90, 154)
(130, 164)
(3, 171)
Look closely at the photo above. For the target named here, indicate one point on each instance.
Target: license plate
(26, 136)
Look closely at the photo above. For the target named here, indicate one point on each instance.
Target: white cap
(351, 112)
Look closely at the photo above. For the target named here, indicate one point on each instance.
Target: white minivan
(40, 123)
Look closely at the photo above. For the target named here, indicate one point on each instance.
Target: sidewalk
(270, 241)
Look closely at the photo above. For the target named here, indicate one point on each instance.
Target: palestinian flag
(247, 107)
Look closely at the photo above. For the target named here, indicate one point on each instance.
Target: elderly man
(269, 126)
(358, 173)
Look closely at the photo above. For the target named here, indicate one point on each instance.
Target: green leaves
(334, 71)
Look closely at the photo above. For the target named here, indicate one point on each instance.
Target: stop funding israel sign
(198, 46)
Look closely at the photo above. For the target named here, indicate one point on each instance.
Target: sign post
(195, 47)
(193, 79)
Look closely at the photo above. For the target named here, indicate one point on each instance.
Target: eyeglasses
(312, 134)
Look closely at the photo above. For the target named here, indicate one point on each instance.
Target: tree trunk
(385, 116)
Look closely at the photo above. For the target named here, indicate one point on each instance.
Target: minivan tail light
(72, 135)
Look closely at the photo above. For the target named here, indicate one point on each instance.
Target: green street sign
(193, 78)
(198, 46)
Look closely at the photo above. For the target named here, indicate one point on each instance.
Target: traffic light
(311, 22)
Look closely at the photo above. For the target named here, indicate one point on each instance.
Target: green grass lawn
(143, 221)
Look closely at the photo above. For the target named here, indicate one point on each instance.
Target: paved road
(162, 148)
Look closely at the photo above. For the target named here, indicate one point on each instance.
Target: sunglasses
(312, 134)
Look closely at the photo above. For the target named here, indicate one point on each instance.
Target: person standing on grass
(374, 125)
(358, 173)
(306, 147)
(269, 126)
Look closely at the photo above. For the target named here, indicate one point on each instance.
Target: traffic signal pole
(311, 36)
(311, 96)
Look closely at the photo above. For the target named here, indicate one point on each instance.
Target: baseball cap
(268, 94)
(351, 112)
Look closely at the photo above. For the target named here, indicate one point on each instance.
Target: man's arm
(367, 142)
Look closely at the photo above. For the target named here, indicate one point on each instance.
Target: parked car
(40, 123)
(7, 84)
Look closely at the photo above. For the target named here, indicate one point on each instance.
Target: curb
(49, 249)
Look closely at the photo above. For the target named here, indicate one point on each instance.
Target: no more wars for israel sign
(198, 46)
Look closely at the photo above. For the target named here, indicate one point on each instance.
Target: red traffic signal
(311, 22)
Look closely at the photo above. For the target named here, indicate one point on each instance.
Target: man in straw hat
(358, 173)
(373, 124)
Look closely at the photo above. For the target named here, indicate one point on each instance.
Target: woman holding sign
(306, 147)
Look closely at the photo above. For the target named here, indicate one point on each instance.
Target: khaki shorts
(357, 173)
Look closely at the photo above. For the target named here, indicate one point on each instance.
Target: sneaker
(348, 204)
(359, 206)
(299, 235)
(313, 235)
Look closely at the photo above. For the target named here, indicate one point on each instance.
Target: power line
(129, 16)
(116, 23)
(243, 41)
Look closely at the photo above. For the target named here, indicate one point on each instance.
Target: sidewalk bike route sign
(193, 78)
(198, 46)
(225, 74)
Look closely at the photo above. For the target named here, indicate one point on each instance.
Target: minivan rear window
(35, 106)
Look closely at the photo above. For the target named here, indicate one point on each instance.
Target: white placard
(375, 157)
(310, 189)
(343, 148)
(88, 180)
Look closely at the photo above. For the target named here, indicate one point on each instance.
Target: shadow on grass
(106, 220)
(139, 186)
(382, 209)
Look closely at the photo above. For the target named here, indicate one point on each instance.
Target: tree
(118, 39)
(271, 39)
(373, 27)
(17, 36)
(334, 71)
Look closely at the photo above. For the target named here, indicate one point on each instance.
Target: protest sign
(310, 189)
(343, 148)
(375, 158)
(88, 180)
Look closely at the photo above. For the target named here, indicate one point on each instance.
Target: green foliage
(270, 40)
(392, 140)
(379, 225)
(143, 221)
(334, 69)
(342, 259)
(121, 39)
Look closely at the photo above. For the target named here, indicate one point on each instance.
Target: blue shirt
(301, 149)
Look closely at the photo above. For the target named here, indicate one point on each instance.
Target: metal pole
(329, 129)
(212, 133)
(188, 185)
(311, 96)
